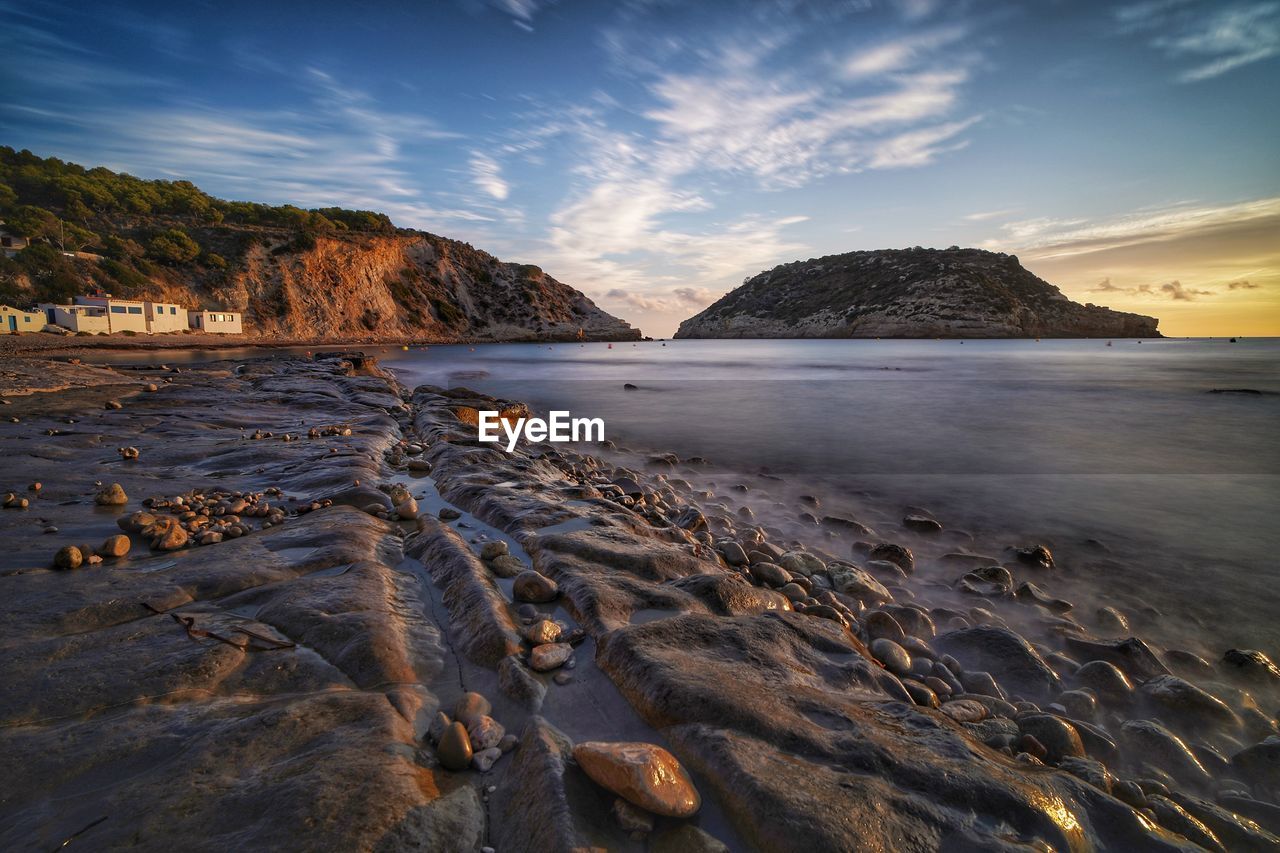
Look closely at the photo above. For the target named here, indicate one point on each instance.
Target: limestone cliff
(406, 284)
(907, 293)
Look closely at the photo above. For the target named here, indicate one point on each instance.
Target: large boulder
(1017, 666)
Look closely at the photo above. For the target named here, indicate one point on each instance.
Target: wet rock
(685, 838)
(1105, 679)
(448, 513)
(920, 694)
(631, 819)
(1252, 664)
(1131, 655)
(68, 557)
(1079, 703)
(851, 580)
(981, 683)
(794, 592)
(1163, 749)
(471, 707)
(1059, 737)
(1091, 771)
(484, 760)
(439, 723)
(1173, 817)
(1128, 792)
(1112, 620)
(541, 632)
(534, 587)
(1188, 662)
(407, 509)
(1035, 555)
(1000, 650)
(1235, 832)
(1266, 815)
(770, 574)
(845, 525)
(644, 774)
(1187, 701)
(454, 750)
(506, 566)
(112, 495)
(965, 710)
(896, 554)
(494, 549)
(801, 563)
(731, 594)
(166, 533)
(921, 523)
(128, 454)
(990, 581)
(733, 554)
(549, 657)
(880, 625)
(1259, 765)
(1028, 591)
(516, 682)
(893, 656)
(115, 546)
(484, 732)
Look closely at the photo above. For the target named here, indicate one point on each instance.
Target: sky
(655, 154)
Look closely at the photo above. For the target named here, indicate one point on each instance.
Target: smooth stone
(506, 566)
(541, 632)
(1059, 737)
(1131, 655)
(1251, 664)
(995, 649)
(68, 557)
(115, 546)
(981, 683)
(1163, 749)
(448, 513)
(471, 707)
(770, 573)
(893, 656)
(496, 548)
(965, 710)
(644, 774)
(794, 592)
(454, 749)
(896, 554)
(988, 581)
(485, 732)
(1035, 555)
(1105, 679)
(1173, 817)
(1111, 619)
(801, 563)
(880, 625)
(851, 580)
(113, 495)
(920, 694)
(485, 759)
(733, 554)
(534, 587)
(1183, 697)
(921, 523)
(549, 657)
(1091, 771)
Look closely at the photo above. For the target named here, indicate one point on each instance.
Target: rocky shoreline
(340, 621)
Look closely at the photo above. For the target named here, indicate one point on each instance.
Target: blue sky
(654, 154)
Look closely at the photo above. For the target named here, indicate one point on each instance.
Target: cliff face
(401, 285)
(907, 293)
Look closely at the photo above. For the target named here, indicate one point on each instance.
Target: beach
(403, 638)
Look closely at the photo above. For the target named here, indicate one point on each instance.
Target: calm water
(1064, 441)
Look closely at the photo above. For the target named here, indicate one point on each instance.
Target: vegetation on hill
(137, 226)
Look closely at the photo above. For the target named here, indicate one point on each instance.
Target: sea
(1151, 468)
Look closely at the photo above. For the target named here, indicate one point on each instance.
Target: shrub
(174, 246)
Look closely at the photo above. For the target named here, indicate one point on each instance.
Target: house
(14, 320)
(78, 318)
(123, 315)
(11, 244)
(218, 322)
(164, 317)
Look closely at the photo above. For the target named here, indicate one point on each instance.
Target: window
(133, 310)
(173, 309)
(117, 309)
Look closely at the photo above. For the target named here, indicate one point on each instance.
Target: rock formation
(907, 293)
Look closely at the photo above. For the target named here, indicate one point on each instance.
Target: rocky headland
(907, 293)
(291, 603)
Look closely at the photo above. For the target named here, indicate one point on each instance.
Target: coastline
(683, 627)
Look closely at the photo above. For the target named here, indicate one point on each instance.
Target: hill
(907, 293)
(295, 273)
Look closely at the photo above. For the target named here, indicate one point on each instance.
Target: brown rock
(68, 557)
(115, 546)
(549, 657)
(454, 751)
(534, 587)
(642, 773)
(112, 495)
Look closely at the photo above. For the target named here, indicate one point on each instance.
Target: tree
(174, 246)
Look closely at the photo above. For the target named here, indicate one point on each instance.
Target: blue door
(13, 322)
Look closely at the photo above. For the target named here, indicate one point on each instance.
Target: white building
(163, 317)
(218, 322)
(123, 315)
(14, 321)
(77, 318)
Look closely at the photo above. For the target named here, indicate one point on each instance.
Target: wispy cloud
(1217, 38)
(487, 175)
(1047, 237)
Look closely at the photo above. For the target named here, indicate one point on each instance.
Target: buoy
(405, 348)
